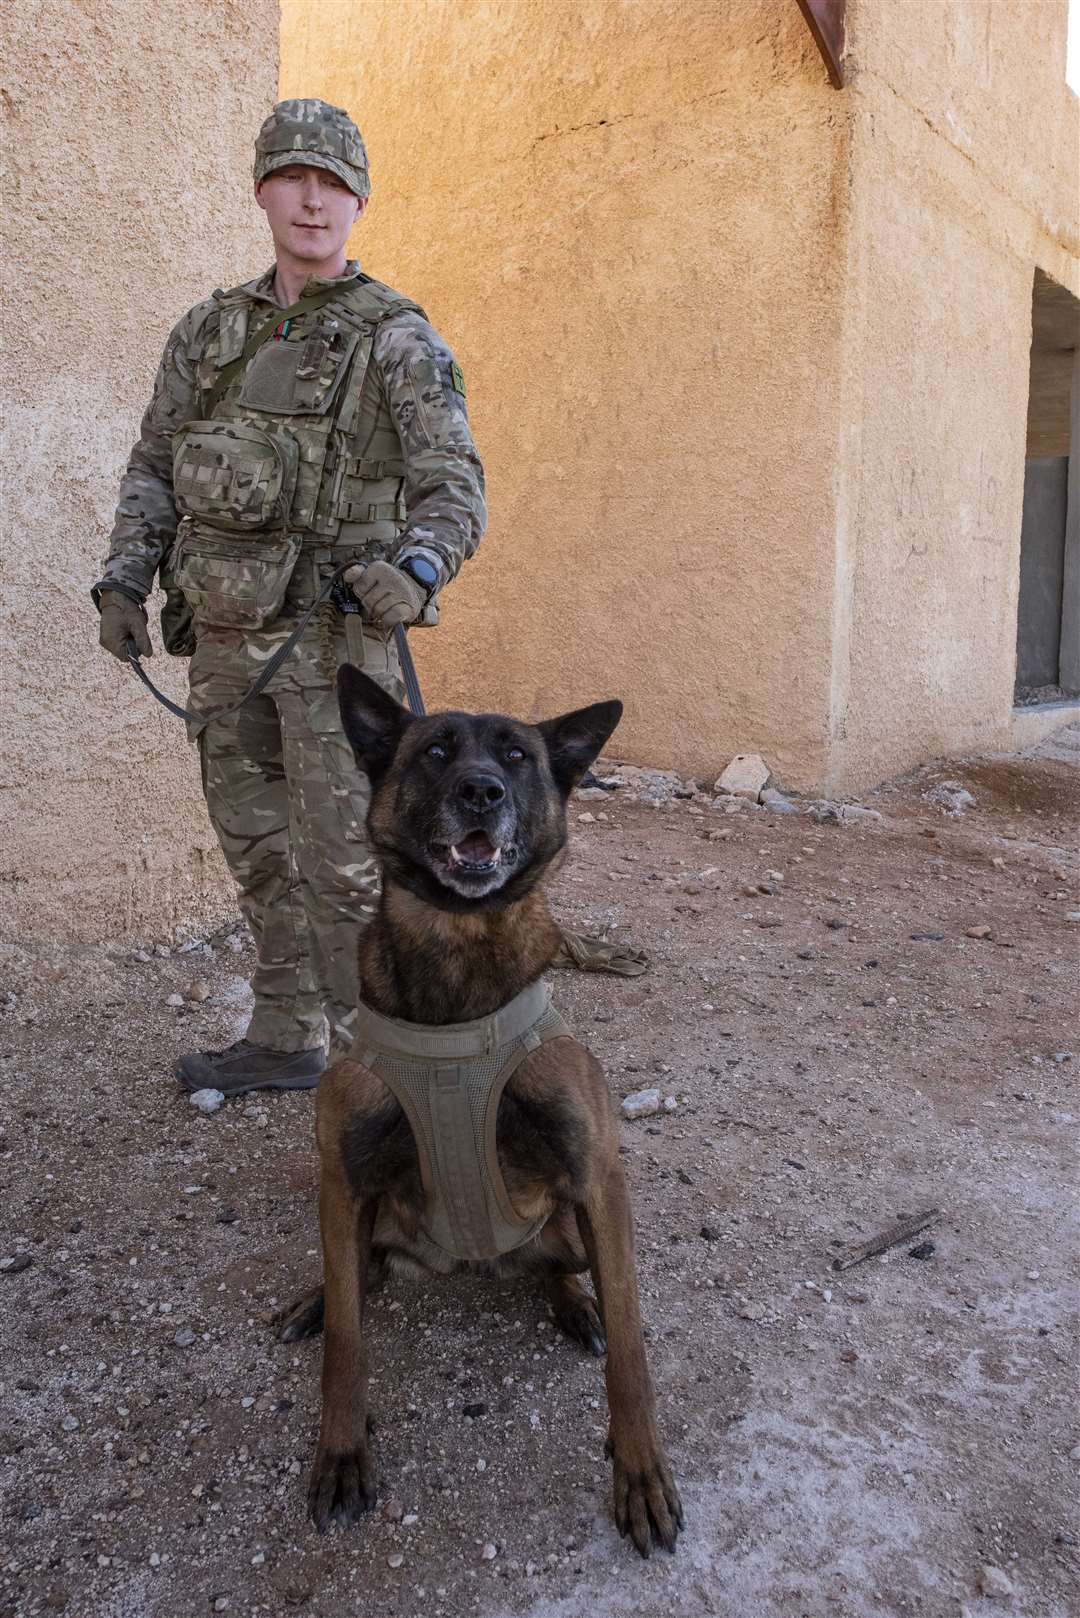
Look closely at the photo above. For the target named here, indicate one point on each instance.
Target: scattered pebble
(982, 931)
(642, 1104)
(207, 1100)
(198, 991)
(922, 1250)
(396, 1560)
(15, 1263)
(184, 1337)
(176, 1000)
(991, 1581)
(489, 1552)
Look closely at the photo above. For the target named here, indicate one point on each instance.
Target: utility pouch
(177, 621)
(232, 581)
(234, 476)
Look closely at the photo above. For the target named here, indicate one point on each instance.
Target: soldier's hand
(122, 620)
(387, 595)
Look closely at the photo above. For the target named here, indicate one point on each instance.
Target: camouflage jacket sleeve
(145, 524)
(444, 480)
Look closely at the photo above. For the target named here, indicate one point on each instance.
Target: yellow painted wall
(747, 356)
(964, 178)
(629, 220)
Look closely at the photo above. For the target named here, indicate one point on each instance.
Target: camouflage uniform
(345, 436)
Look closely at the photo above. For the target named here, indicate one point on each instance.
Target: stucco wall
(629, 220)
(127, 151)
(964, 178)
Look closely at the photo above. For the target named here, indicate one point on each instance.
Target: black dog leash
(401, 641)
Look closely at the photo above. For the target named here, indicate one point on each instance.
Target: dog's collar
(453, 1041)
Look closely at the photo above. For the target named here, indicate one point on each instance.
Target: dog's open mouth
(474, 855)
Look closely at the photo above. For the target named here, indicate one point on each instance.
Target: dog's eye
(514, 755)
(436, 750)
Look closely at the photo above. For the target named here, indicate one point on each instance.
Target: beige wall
(630, 223)
(127, 149)
(964, 178)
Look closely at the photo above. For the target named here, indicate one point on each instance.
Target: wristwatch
(421, 571)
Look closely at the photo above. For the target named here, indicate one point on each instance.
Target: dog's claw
(342, 1488)
(647, 1505)
(301, 1318)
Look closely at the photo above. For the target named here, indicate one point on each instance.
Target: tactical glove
(387, 595)
(122, 620)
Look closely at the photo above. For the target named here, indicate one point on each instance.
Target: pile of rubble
(746, 784)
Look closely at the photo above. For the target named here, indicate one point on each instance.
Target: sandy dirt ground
(901, 1438)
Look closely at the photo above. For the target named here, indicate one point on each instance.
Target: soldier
(308, 418)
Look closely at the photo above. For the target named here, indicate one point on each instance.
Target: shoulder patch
(457, 379)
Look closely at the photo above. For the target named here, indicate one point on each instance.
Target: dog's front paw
(647, 1504)
(342, 1487)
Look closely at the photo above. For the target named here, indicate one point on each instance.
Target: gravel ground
(855, 1020)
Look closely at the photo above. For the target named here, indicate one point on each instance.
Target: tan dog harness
(449, 1078)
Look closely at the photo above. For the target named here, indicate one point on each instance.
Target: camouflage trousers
(288, 805)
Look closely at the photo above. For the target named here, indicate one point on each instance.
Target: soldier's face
(309, 210)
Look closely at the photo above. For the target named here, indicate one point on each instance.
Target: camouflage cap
(316, 134)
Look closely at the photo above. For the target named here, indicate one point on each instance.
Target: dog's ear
(574, 739)
(373, 722)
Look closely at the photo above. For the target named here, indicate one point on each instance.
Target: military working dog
(468, 817)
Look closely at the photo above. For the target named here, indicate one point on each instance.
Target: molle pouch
(234, 476)
(230, 581)
(177, 623)
(299, 378)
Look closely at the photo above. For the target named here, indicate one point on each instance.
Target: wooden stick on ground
(900, 1232)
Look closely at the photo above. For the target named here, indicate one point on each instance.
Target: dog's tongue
(477, 847)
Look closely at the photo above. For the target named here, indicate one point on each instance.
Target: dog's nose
(479, 792)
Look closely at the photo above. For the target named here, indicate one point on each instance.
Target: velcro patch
(457, 379)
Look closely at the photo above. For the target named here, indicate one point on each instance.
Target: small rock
(922, 1250)
(641, 1104)
(489, 1552)
(175, 1000)
(848, 1356)
(776, 801)
(808, 955)
(670, 1103)
(1072, 915)
(991, 1581)
(396, 1560)
(952, 797)
(709, 1233)
(586, 819)
(393, 1511)
(751, 1311)
(184, 1337)
(982, 931)
(926, 938)
(746, 776)
(1074, 1453)
(228, 1216)
(474, 1411)
(198, 991)
(71, 1424)
(207, 1100)
(15, 1263)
